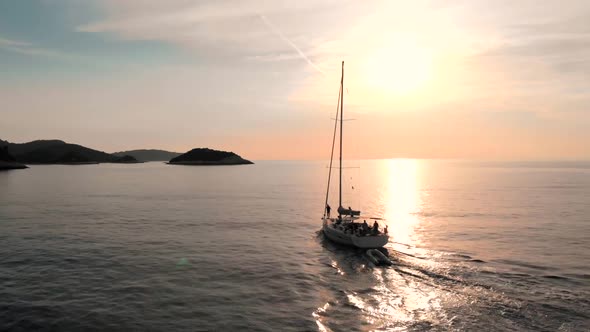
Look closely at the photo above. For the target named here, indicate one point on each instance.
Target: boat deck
(348, 232)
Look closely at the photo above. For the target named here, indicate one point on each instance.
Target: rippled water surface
(152, 247)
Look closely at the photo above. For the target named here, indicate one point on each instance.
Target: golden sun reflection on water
(317, 315)
(402, 200)
(400, 299)
(407, 294)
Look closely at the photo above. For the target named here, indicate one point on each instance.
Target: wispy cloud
(12, 43)
(227, 27)
(27, 48)
(272, 57)
(278, 32)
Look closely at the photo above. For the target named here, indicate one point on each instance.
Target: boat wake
(431, 291)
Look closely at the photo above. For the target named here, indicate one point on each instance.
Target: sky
(469, 79)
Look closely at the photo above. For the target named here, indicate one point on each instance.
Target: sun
(399, 67)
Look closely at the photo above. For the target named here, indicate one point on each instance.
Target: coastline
(8, 165)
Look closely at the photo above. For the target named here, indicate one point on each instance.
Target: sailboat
(345, 228)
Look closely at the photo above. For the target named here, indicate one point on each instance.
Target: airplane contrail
(277, 32)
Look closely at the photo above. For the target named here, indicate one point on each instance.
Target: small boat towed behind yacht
(343, 229)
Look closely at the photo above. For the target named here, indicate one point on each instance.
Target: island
(7, 161)
(148, 154)
(206, 157)
(62, 153)
(55, 151)
(126, 159)
(73, 157)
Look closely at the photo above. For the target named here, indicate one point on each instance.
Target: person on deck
(328, 209)
(375, 227)
(365, 227)
(385, 230)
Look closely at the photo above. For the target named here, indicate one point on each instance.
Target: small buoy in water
(377, 257)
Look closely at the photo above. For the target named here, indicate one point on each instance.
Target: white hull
(336, 233)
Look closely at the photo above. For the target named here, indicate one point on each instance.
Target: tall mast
(332, 153)
(341, 121)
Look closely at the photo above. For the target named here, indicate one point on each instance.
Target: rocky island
(205, 156)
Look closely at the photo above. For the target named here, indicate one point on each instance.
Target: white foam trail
(277, 32)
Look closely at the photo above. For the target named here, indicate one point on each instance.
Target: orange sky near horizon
(424, 79)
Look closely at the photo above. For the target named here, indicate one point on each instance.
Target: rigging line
(332, 153)
(341, 130)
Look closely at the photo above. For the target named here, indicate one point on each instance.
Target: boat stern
(370, 242)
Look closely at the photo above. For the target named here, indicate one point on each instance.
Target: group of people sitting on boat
(361, 229)
(357, 228)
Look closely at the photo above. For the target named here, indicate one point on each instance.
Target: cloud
(278, 32)
(181, 21)
(273, 57)
(225, 28)
(13, 43)
(27, 48)
(542, 63)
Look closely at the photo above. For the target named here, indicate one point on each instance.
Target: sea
(476, 246)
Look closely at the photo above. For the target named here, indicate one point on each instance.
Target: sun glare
(401, 67)
(403, 198)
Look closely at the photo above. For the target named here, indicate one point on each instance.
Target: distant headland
(60, 152)
(7, 161)
(16, 155)
(149, 155)
(205, 156)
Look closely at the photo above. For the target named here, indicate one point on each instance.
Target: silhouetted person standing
(375, 228)
(328, 209)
